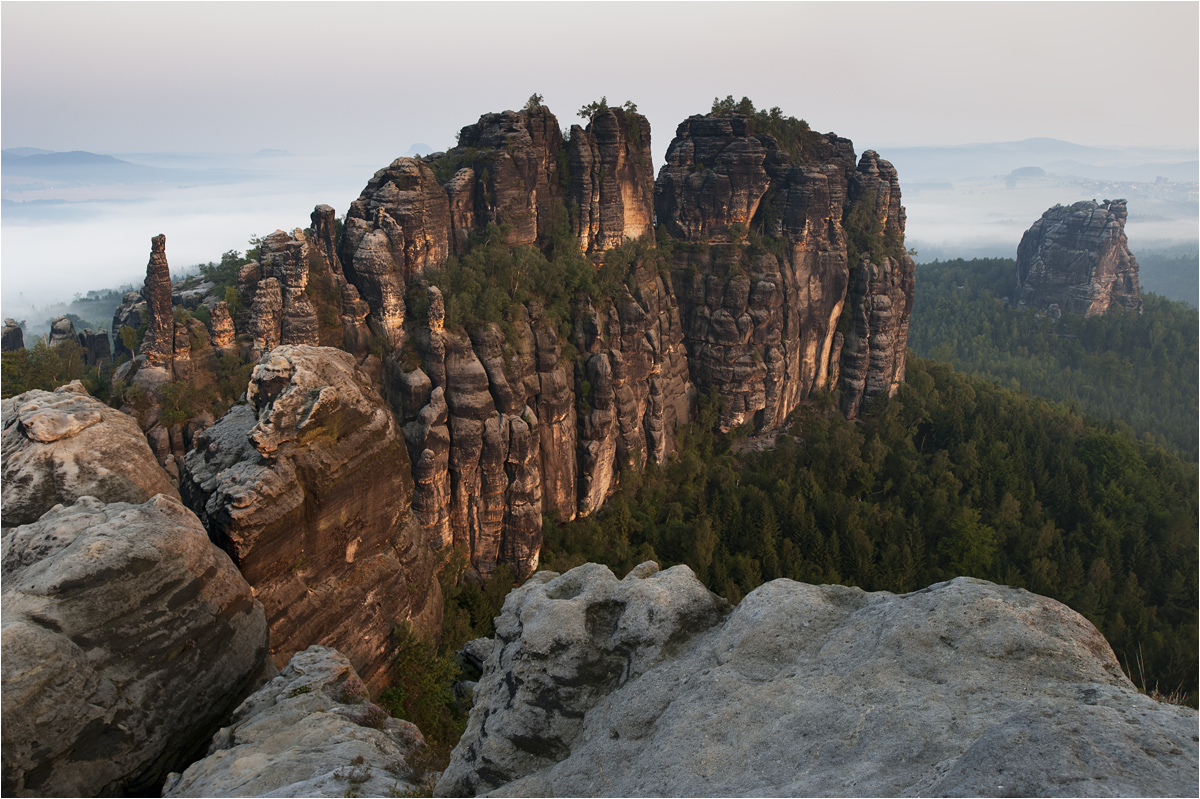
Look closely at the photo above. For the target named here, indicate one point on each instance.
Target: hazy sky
(316, 77)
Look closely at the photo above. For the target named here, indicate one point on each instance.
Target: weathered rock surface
(96, 351)
(62, 445)
(62, 330)
(612, 179)
(127, 638)
(298, 736)
(221, 331)
(1078, 258)
(307, 486)
(13, 337)
(761, 324)
(649, 686)
(132, 311)
(158, 345)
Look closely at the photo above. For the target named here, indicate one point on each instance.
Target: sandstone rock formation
(307, 486)
(96, 351)
(650, 686)
(13, 338)
(127, 638)
(304, 734)
(62, 445)
(62, 330)
(763, 322)
(221, 331)
(132, 311)
(158, 345)
(612, 179)
(1078, 258)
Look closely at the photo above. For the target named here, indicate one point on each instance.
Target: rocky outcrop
(158, 345)
(220, 330)
(13, 338)
(650, 686)
(128, 637)
(611, 179)
(308, 733)
(1078, 258)
(763, 320)
(62, 331)
(62, 445)
(496, 430)
(880, 295)
(132, 311)
(307, 486)
(96, 351)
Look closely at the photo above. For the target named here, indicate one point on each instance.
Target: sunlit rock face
(307, 486)
(1077, 257)
(770, 319)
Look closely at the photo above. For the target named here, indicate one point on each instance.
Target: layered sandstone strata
(1077, 257)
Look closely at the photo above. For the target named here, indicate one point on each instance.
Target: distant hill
(962, 161)
(25, 151)
(52, 159)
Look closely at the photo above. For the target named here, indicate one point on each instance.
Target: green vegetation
(953, 476)
(1138, 369)
(1173, 273)
(793, 135)
(44, 367)
(492, 279)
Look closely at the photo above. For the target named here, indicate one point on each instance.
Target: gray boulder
(645, 687)
(64, 444)
(304, 734)
(127, 638)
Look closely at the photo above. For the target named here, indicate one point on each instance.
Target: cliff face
(307, 487)
(761, 320)
(1078, 258)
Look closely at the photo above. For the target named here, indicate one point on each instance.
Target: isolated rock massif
(307, 486)
(308, 732)
(768, 325)
(652, 686)
(1077, 258)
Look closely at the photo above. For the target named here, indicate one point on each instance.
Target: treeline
(1138, 369)
(953, 476)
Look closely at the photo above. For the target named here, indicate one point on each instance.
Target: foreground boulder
(308, 487)
(128, 637)
(64, 444)
(1077, 258)
(645, 687)
(308, 732)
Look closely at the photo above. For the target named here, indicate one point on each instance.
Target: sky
(345, 88)
(315, 77)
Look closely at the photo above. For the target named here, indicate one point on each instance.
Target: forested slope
(953, 476)
(1138, 369)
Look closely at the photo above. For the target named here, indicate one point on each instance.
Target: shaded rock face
(62, 330)
(498, 432)
(96, 351)
(880, 295)
(128, 637)
(62, 445)
(13, 337)
(644, 687)
(301, 734)
(158, 345)
(132, 311)
(1078, 258)
(761, 323)
(307, 486)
